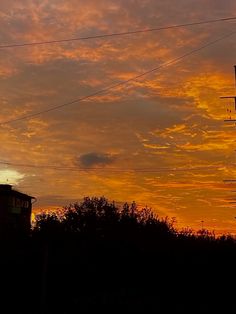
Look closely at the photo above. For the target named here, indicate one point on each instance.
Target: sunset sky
(160, 140)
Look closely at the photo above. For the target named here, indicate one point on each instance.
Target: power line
(107, 89)
(110, 169)
(58, 41)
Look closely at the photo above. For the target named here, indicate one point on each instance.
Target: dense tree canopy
(97, 256)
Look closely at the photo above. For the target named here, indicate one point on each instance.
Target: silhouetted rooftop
(7, 188)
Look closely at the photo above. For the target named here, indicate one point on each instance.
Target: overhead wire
(113, 87)
(101, 36)
(120, 84)
(111, 169)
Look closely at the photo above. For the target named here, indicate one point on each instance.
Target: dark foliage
(97, 257)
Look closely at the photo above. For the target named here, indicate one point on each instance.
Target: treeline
(99, 216)
(96, 256)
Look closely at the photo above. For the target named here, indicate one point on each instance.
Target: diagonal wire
(120, 84)
(58, 41)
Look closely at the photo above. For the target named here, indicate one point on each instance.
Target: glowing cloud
(10, 176)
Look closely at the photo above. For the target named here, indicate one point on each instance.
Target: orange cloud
(170, 119)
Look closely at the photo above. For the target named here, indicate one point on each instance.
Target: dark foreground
(103, 259)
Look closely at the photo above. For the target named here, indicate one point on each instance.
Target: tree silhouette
(96, 256)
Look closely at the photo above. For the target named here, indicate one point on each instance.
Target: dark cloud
(94, 159)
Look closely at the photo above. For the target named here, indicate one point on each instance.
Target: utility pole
(231, 97)
(44, 281)
(235, 75)
(232, 201)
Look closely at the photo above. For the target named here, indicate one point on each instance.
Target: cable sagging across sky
(112, 169)
(102, 36)
(120, 84)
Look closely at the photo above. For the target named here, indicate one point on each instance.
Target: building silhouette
(15, 210)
